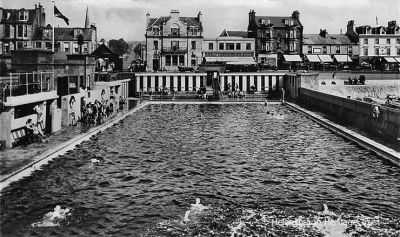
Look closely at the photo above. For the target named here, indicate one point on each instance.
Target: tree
(138, 49)
(118, 46)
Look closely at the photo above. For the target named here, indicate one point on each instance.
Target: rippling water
(248, 164)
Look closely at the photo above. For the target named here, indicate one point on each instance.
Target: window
(210, 46)
(76, 48)
(398, 51)
(365, 51)
(175, 30)
(309, 49)
(193, 62)
(294, 34)
(168, 60)
(365, 41)
(19, 45)
(47, 33)
(237, 46)
(230, 46)
(174, 45)
(38, 45)
(387, 41)
(66, 46)
(20, 30)
(316, 50)
(248, 46)
(155, 44)
(25, 31)
(350, 50)
(337, 49)
(397, 41)
(291, 34)
(156, 31)
(291, 22)
(376, 51)
(286, 22)
(7, 30)
(291, 47)
(6, 48)
(23, 16)
(78, 32)
(324, 50)
(267, 47)
(181, 60)
(48, 45)
(174, 60)
(263, 21)
(221, 46)
(376, 41)
(387, 51)
(193, 44)
(85, 48)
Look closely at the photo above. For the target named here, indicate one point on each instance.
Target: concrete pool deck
(18, 162)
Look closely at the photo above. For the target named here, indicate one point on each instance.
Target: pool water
(256, 170)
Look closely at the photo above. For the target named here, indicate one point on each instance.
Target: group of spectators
(97, 112)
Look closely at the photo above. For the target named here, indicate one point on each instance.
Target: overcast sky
(126, 18)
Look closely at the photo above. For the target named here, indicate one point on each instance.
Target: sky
(126, 19)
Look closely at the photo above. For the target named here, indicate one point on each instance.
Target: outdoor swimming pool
(256, 170)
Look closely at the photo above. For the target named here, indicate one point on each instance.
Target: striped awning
(292, 58)
(325, 58)
(390, 60)
(313, 58)
(343, 58)
(397, 59)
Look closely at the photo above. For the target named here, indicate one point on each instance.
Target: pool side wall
(355, 113)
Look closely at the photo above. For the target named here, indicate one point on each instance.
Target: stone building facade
(173, 41)
(275, 36)
(379, 46)
(17, 29)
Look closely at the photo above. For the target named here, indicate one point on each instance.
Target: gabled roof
(190, 21)
(230, 33)
(334, 39)
(276, 21)
(103, 50)
(13, 15)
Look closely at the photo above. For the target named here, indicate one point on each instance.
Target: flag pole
(53, 24)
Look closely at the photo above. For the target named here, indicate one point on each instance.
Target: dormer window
(263, 21)
(77, 32)
(268, 21)
(286, 22)
(156, 30)
(23, 16)
(47, 33)
(192, 31)
(291, 22)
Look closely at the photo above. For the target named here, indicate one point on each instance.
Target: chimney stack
(296, 15)
(174, 15)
